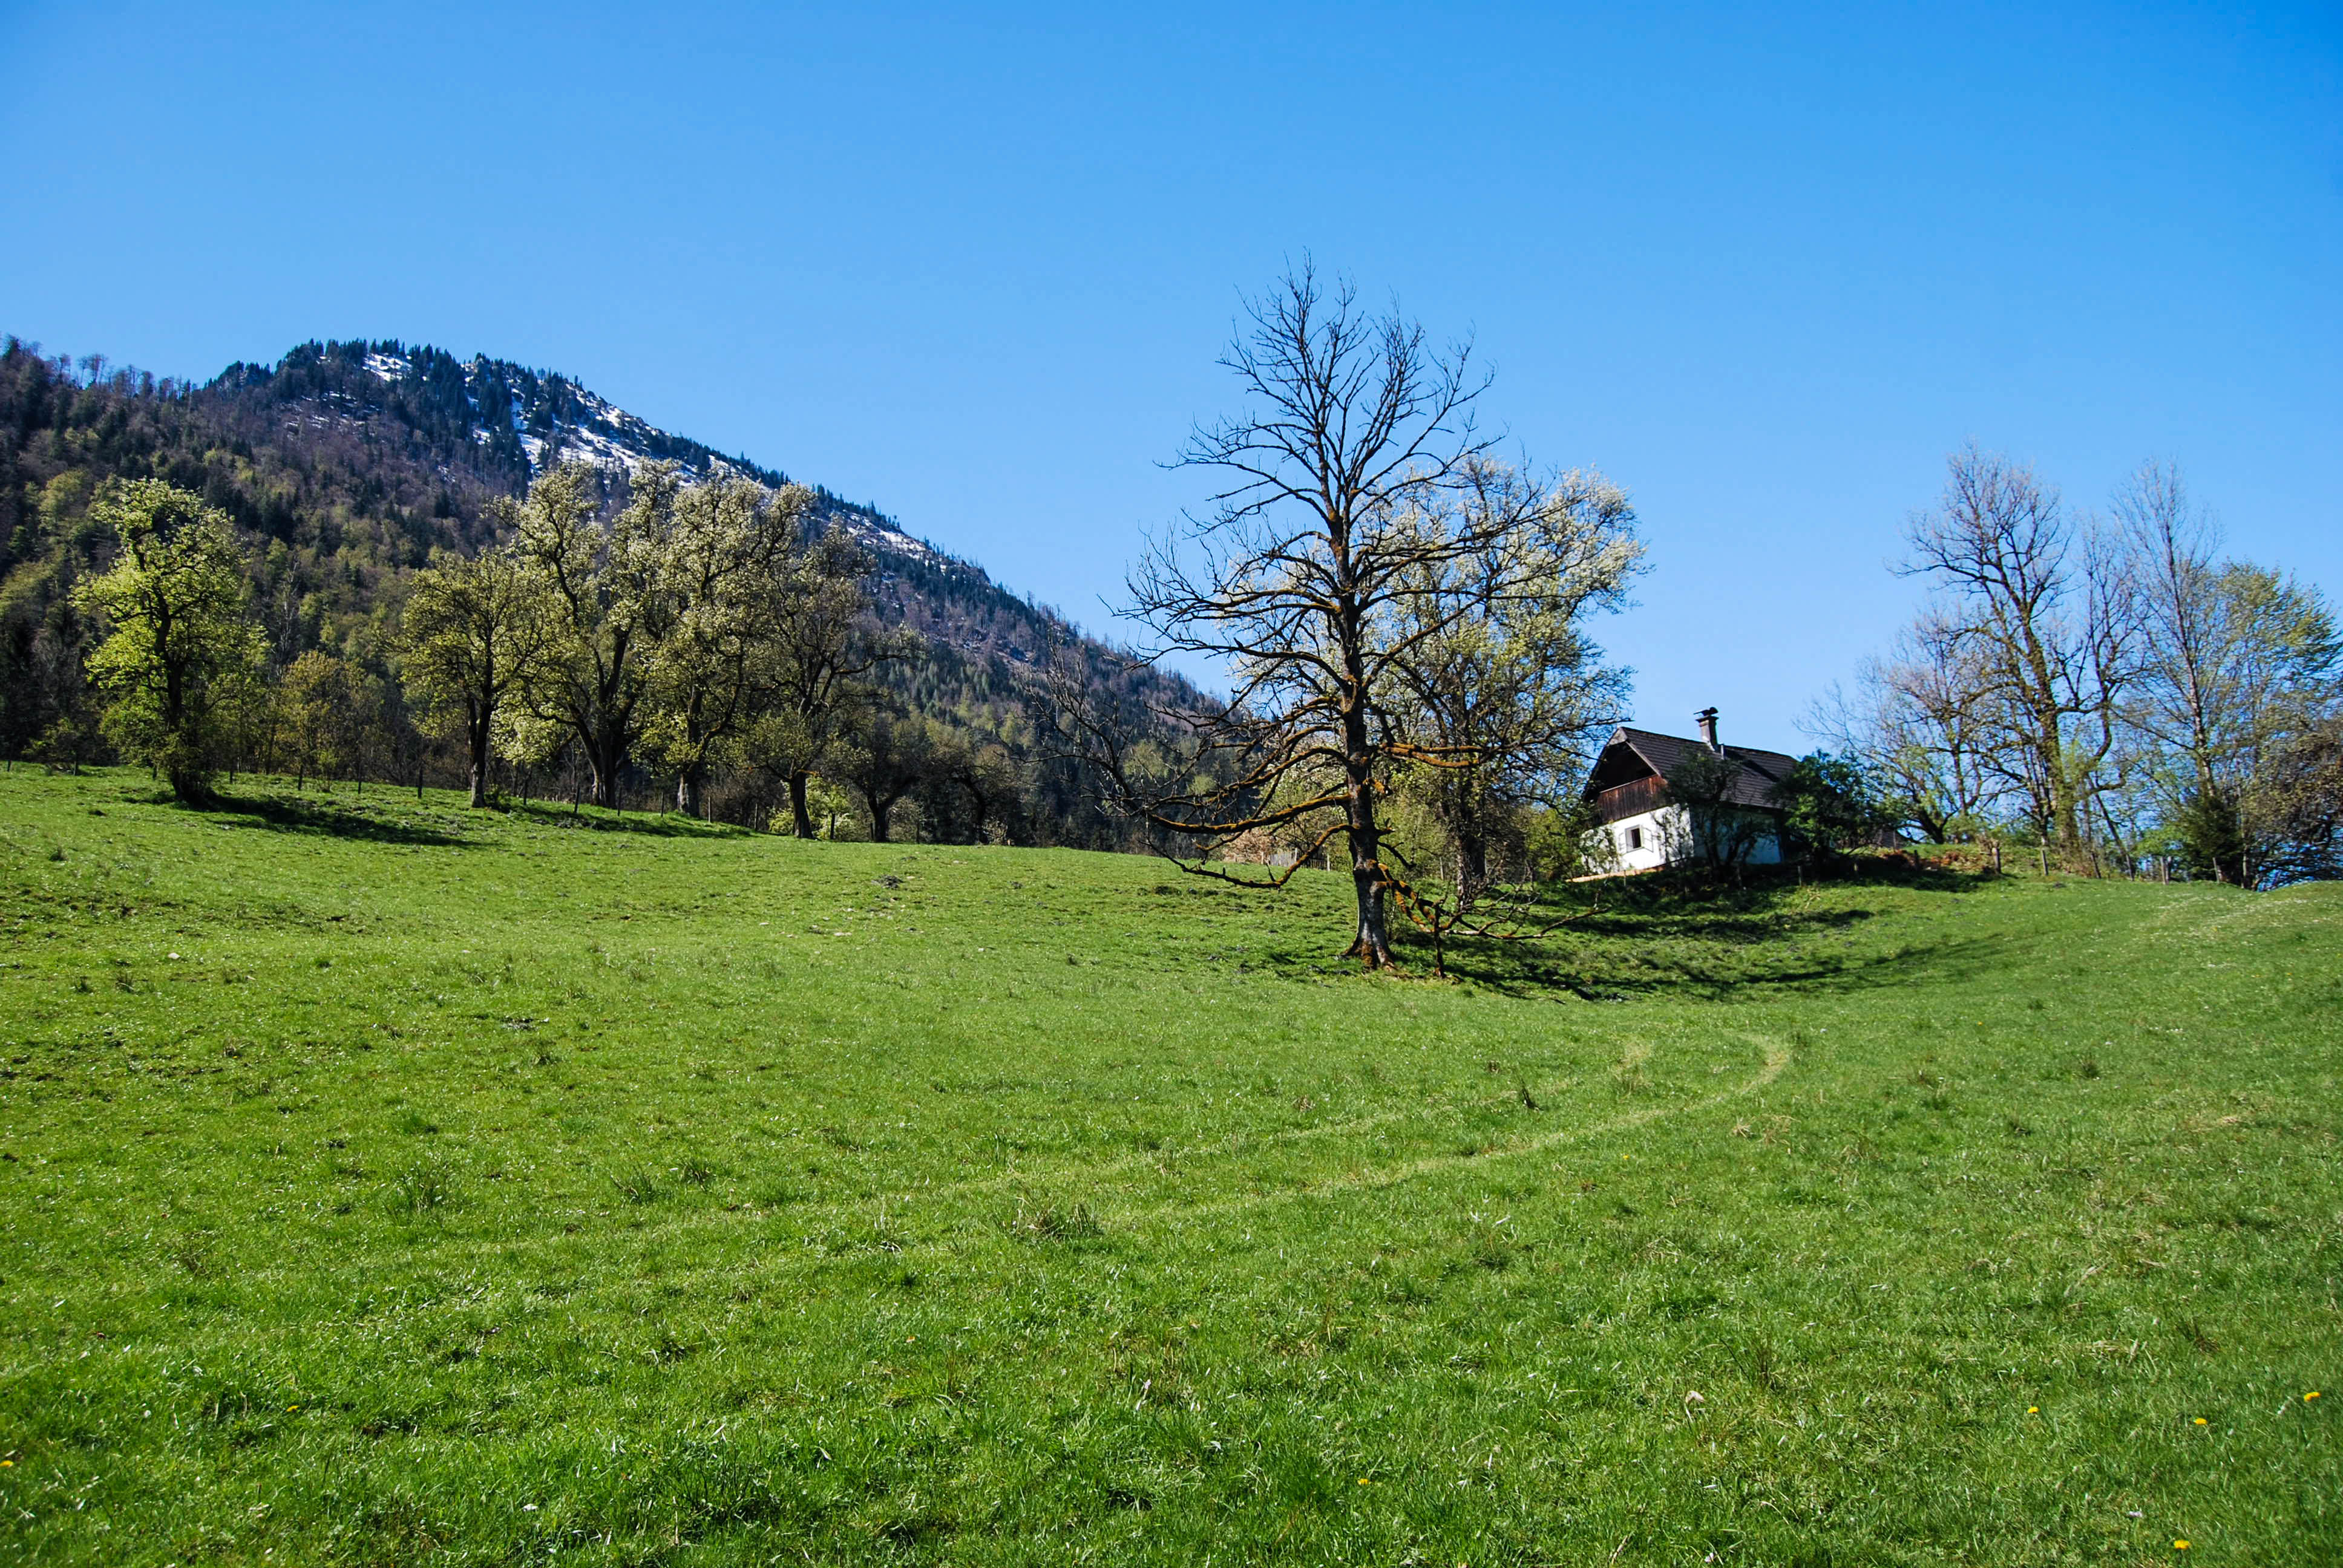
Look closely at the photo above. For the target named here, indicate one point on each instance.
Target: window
(1634, 838)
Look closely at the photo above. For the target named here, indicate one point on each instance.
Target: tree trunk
(879, 814)
(603, 754)
(801, 820)
(980, 804)
(1472, 863)
(689, 782)
(477, 735)
(1371, 947)
(188, 782)
(2065, 802)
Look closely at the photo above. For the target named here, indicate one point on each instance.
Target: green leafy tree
(1829, 804)
(2238, 662)
(726, 591)
(319, 720)
(177, 631)
(887, 757)
(2298, 805)
(1504, 686)
(982, 773)
(371, 730)
(1719, 828)
(605, 586)
(63, 747)
(2209, 830)
(252, 717)
(475, 633)
(832, 806)
(820, 648)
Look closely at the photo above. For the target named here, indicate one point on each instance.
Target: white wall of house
(1642, 842)
(1663, 836)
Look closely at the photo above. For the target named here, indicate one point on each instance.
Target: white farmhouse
(1649, 829)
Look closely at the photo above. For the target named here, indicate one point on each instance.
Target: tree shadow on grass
(1695, 896)
(328, 819)
(658, 824)
(1613, 976)
(1668, 935)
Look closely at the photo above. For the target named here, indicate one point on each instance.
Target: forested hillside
(344, 466)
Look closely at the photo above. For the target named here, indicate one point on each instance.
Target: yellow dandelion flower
(2180, 1546)
(1364, 1482)
(2034, 1410)
(2200, 1420)
(2311, 1395)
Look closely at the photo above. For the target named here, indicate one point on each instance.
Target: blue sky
(1765, 266)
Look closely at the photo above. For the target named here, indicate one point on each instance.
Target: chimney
(1707, 716)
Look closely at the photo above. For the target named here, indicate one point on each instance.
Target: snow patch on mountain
(893, 540)
(559, 421)
(547, 419)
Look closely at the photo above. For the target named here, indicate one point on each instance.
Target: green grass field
(382, 1183)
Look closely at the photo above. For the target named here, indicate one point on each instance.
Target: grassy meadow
(382, 1183)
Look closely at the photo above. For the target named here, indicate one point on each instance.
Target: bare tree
(1317, 575)
(2037, 610)
(1918, 723)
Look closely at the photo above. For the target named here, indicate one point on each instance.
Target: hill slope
(345, 464)
(382, 1182)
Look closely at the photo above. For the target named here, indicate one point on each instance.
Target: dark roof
(1632, 754)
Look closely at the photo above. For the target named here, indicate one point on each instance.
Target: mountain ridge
(524, 421)
(348, 462)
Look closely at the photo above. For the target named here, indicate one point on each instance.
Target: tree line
(340, 487)
(1403, 613)
(698, 632)
(2112, 687)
